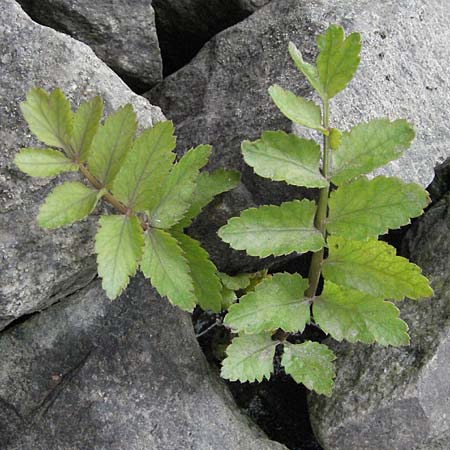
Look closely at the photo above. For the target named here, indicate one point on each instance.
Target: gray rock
(221, 96)
(93, 374)
(398, 398)
(184, 26)
(121, 32)
(39, 267)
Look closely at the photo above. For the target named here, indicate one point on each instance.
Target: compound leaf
(338, 59)
(146, 167)
(372, 267)
(111, 144)
(85, 124)
(274, 230)
(368, 208)
(66, 204)
(207, 285)
(276, 302)
(249, 358)
(165, 264)
(352, 315)
(309, 70)
(118, 244)
(285, 157)
(49, 117)
(208, 186)
(368, 146)
(235, 282)
(299, 110)
(43, 162)
(310, 363)
(173, 200)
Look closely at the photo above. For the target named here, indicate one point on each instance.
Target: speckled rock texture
(93, 374)
(398, 398)
(122, 33)
(184, 26)
(39, 267)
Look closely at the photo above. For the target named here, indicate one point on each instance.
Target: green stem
(322, 207)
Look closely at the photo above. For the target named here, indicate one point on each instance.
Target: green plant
(154, 198)
(359, 271)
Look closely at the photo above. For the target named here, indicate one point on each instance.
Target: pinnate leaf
(66, 204)
(368, 208)
(368, 146)
(352, 315)
(207, 286)
(49, 117)
(274, 230)
(85, 124)
(111, 144)
(249, 358)
(208, 186)
(372, 267)
(165, 264)
(299, 110)
(310, 363)
(276, 302)
(118, 244)
(285, 157)
(146, 167)
(43, 162)
(338, 59)
(173, 199)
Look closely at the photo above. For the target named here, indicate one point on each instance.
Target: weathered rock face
(89, 373)
(38, 267)
(185, 25)
(221, 96)
(121, 32)
(389, 398)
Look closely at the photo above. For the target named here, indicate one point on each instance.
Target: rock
(39, 267)
(184, 26)
(398, 398)
(122, 33)
(221, 96)
(89, 373)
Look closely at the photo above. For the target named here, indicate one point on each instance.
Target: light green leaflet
(229, 297)
(274, 230)
(249, 358)
(118, 244)
(235, 282)
(146, 167)
(368, 146)
(66, 204)
(309, 70)
(372, 267)
(348, 314)
(85, 125)
(43, 162)
(165, 264)
(301, 111)
(276, 302)
(49, 117)
(207, 286)
(310, 363)
(111, 144)
(285, 157)
(172, 199)
(338, 59)
(368, 208)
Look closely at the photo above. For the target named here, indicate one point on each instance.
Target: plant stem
(322, 207)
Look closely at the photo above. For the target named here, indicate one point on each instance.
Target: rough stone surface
(221, 96)
(93, 374)
(184, 26)
(38, 267)
(121, 32)
(388, 398)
